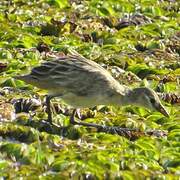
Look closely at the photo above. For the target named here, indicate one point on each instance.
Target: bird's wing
(75, 74)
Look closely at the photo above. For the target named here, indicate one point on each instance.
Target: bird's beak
(162, 110)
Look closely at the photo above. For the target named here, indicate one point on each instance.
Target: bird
(81, 83)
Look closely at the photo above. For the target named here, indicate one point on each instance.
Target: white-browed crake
(84, 83)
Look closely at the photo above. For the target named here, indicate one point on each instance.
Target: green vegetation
(141, 37)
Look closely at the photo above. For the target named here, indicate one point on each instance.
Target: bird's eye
(152, 101)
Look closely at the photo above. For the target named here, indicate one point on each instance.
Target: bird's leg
(72, 118)
(48, 104)
(101, 128)
(74, 122)
(78, 113)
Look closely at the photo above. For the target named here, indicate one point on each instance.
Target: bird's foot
(72, 121)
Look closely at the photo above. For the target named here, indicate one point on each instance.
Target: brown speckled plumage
(84, 83)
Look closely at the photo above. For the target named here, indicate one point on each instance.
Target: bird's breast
(83, 101)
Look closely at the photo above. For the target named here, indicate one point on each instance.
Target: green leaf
(59, 3)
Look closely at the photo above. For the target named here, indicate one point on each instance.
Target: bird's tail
(22, 78)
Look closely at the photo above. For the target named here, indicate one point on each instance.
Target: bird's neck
(128, 98)
(122, 97)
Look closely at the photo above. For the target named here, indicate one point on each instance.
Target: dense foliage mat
(137, 41)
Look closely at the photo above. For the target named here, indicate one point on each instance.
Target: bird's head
(147, 98)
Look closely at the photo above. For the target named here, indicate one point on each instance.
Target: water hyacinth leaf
(59, 3)
(12, 149)
(25, 41)
(141, 37)
(33, 57)
(174, 134)
(4, 164)
(5, 54)
(142, 70)
(157, 118)
(153, 45)
(8, 83)
(156, 11)
(172, 163)
(61, 165)
(140, 111)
